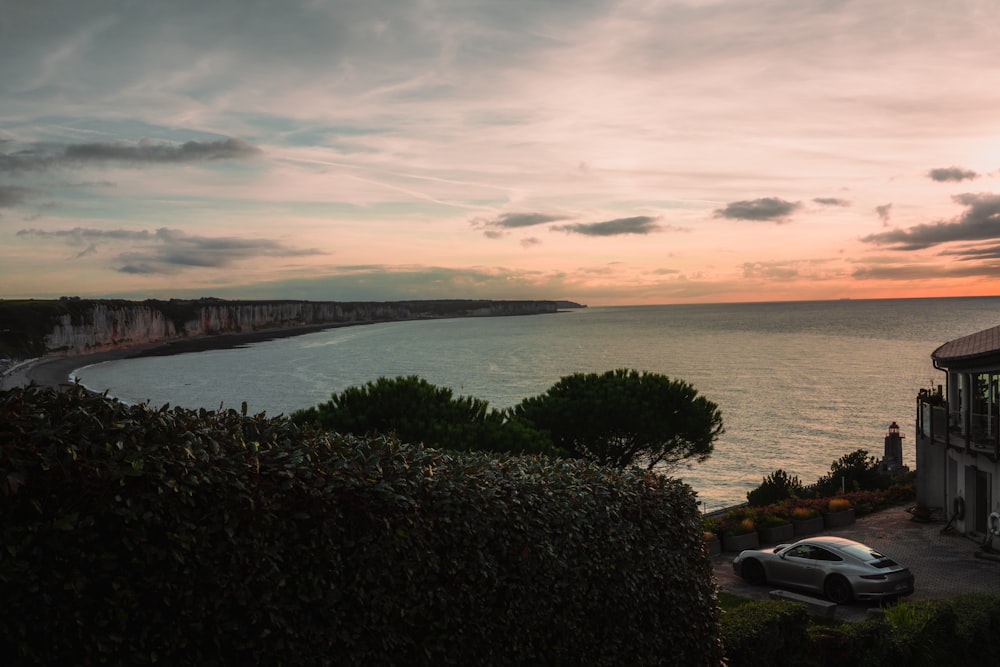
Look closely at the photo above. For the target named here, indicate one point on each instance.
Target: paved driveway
(944, 564)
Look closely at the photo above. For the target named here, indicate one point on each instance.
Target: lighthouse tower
(892, 458)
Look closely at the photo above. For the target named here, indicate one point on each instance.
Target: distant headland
(72, 326)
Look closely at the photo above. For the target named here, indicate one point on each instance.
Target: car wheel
(838, 589)
(753, 572)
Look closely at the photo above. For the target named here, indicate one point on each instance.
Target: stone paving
(944, 564)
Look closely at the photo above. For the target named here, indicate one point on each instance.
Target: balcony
(973, 432)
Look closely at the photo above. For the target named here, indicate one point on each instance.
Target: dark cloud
(642, 224)
(166, 250)
(989, 252)
(956, 174)
(908, 271)
(46, 156)
(765, 208)
(139, 269)
(89, 250)
(516, 221)
(883, 213)
(980, 222)
(512, 220)
(80, 234)
(831, 201)
(530, 241)
(12, 195)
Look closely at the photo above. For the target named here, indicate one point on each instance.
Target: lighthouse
(892, 458)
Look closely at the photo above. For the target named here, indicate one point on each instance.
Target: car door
(796, 567)
(825, 562)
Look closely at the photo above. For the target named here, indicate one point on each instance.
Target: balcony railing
(978, 433)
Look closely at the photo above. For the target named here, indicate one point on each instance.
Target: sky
(611, 153)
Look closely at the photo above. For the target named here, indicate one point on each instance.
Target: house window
(983, 408)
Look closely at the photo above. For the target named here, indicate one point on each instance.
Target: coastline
(54, 370)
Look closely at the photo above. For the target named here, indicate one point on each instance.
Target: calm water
(799, 384)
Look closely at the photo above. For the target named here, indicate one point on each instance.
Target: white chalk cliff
(109, 325)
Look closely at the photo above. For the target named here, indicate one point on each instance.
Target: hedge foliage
(131, 535)
(768, 633)
(962, 630)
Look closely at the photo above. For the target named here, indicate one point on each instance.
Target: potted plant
(739, 532)
(806, 521)
(839, 513)
(775, 528)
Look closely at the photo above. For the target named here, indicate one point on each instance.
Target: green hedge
(962, 630)
(132, 535)
(768, 633)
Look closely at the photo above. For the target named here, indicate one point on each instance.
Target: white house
(958, 434)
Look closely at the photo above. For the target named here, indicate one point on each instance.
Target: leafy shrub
(862, 644)
(133, 535)
(737, 521)
(804, 513)
(776, 487)
(417, 412)
(839, 504)
(852, 472)
(768, 633)
(771, 520)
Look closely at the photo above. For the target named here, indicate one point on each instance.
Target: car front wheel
(838, 589)
(753, 572)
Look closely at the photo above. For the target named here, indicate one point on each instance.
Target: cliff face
(94, 326)
(109, 326)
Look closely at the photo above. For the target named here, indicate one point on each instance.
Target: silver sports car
(841, 569)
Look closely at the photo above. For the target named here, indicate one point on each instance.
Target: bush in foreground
(955, 631)
(133, 536)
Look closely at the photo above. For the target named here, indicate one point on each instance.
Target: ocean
(799, 384)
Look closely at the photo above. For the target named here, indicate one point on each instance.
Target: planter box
(740, 542)
(808, 526)
(713, 545)
(838, 519)
(777, 534)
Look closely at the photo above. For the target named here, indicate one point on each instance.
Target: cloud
(765, 208)
(883, 212)
(831, 201)
(642, 224)
(517, 220)
(79, 234)
(956, 174)
(12, 195)
(920, 271)
(792, 270)
(770, 270)
(43, 157)
(530, 242)
(166, 250)
(989, 252)
(980, 222)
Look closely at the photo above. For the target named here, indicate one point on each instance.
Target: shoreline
(55, 370)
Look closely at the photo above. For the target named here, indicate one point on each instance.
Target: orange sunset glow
(632, 152)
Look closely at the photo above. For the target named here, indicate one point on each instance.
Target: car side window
(801, 551)
(823, 554)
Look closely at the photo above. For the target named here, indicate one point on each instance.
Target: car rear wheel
(753, 572)
(838, 589)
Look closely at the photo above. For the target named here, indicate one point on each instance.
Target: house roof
(979, 344)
